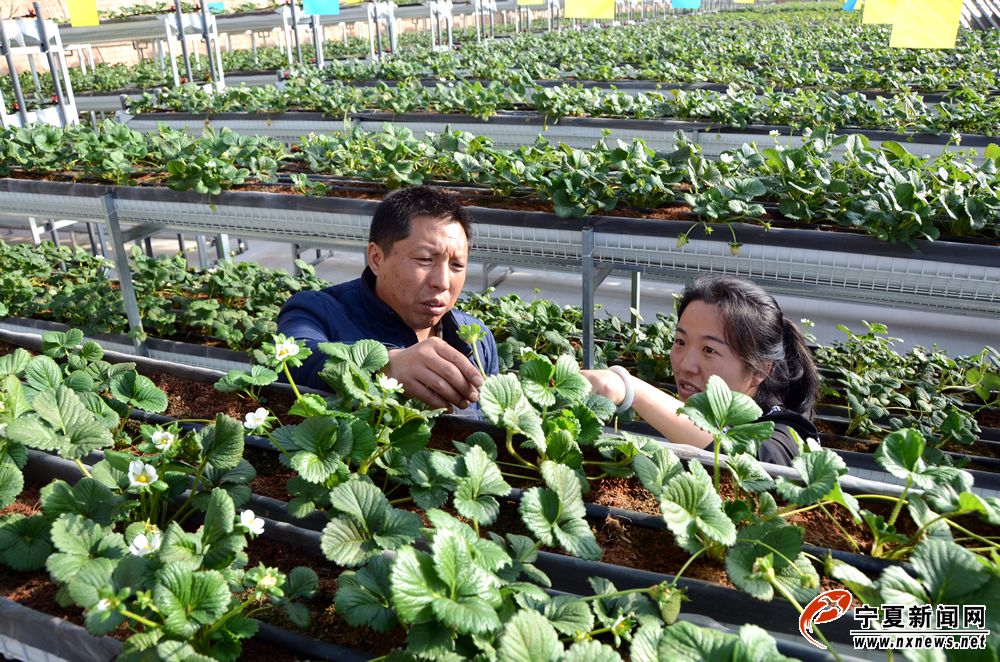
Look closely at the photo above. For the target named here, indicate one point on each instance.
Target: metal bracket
(487, 268)
(636, 284)
(140, 232)
(124, 272)
(592, 279)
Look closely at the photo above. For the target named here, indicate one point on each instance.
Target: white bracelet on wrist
(629, 389)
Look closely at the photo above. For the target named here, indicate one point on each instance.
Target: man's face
(422, 275)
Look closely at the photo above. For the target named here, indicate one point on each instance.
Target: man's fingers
(434, 381)
(424, 394)
(469, 372)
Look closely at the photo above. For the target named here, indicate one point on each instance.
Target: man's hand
(436, 373)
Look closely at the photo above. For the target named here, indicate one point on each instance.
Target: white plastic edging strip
(16, 650)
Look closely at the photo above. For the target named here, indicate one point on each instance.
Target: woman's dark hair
(391, 221)
(763, 337)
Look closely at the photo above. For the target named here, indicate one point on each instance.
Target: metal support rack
(957, 278)
(441, 12)
(33, 37)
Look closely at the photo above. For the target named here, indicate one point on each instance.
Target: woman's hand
(606, 383)
(657, 408)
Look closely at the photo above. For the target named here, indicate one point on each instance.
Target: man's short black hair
(391, 222)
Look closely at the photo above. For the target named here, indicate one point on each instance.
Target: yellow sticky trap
(743, 2)
(879, 12)
(525, 3)
(83, 13)
(590, 8)
(925, 23)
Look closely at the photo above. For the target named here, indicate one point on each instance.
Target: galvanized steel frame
(595, 246)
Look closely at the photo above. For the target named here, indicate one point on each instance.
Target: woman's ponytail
(801, 382)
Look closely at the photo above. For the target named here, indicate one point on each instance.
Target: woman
(732, 328)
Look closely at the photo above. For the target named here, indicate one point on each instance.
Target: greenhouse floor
(955, 333)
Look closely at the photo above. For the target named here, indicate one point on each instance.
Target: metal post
(180, 243)
(208, 40)
(202, 251)
(184, 47)
(53, 67)
(222, 247)
(102, 239)
(34, 76)
(22, 109)
(636, 283)
(93, 240)
(588, 297)
(295, 29)
(253, 44)
(124, 273)
(317, 31)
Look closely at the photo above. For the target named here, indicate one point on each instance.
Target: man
(417, 254)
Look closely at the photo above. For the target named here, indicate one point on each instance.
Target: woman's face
(700, 351)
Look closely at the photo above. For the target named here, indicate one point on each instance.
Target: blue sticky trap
(849, 5)
(321, 7)
(686, 4)
(216, 7)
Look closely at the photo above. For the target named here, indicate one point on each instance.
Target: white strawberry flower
(141, 474)
(252, 522)
(163, 440)
(267, 581)
(524, 350)
(389, 384)
(774, 134)
(3, 430)
(286, 349)
(143, 545)
(210, 164)
(104, 605)
(255, 419)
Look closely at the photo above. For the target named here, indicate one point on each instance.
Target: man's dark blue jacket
(352, 311)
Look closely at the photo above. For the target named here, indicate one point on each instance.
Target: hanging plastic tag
(926, 23)
(321, 7)
(83, 13)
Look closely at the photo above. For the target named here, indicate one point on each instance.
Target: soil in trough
(988, 417)
(327, 624)
(36, 591)
(191, 399)
(868, 444)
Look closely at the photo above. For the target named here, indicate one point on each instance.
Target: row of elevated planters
(397, 531)
(870, 388)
